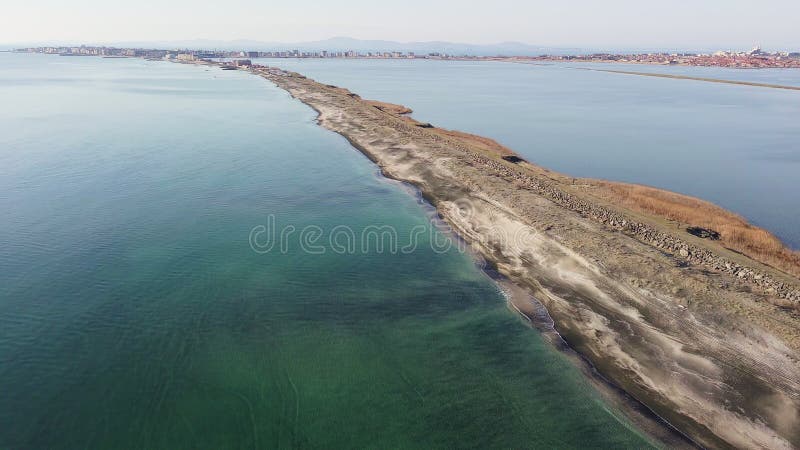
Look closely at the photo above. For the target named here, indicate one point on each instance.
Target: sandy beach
(706, 337)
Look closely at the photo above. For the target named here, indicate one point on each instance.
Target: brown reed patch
(735, 232)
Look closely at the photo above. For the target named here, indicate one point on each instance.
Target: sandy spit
(709, 352)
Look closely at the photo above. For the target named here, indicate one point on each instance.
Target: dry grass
(482, 143)
(735, 232)
(390, 107)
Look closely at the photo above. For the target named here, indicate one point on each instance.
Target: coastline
(710, 351)
(635, 412)
(534, 314)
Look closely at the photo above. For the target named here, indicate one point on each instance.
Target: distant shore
(753, 59)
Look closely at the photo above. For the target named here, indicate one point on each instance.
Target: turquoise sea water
(135, 314)
(737, 146)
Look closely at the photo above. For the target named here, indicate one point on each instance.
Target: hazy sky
(582, 23)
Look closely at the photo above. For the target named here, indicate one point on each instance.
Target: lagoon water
(737, 146)
(135, 314)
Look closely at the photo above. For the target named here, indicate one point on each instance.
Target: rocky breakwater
(616, 220)
(709, 341)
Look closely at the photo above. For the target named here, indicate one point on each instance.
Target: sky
(697, 24)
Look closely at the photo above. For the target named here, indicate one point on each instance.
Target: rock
(513, 158)
(704, 233)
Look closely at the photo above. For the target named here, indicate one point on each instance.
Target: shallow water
(737, 146)
(134, 312)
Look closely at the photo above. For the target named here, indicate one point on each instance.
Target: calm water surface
(134, 313)
(737, 146)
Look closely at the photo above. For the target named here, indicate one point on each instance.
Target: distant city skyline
(614, 24)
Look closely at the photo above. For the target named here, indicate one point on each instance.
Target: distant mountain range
(341, 44)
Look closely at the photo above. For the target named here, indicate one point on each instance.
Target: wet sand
(705, 338)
